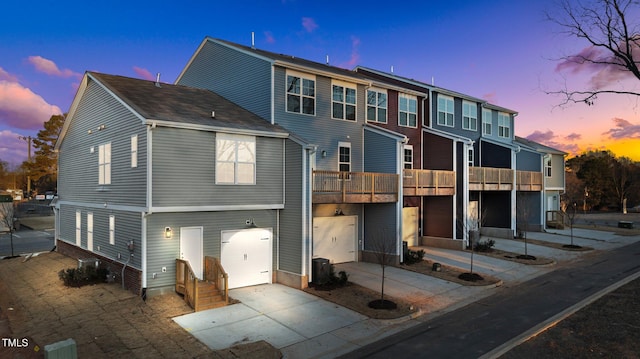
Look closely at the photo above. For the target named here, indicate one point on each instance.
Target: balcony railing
(354, 187)
(528, 181)
(428, 183)
(490, 179)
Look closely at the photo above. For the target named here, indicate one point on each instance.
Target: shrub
(78, 277)
(484, 246)
(414, 256)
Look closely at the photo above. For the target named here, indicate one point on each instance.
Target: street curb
(504, 348)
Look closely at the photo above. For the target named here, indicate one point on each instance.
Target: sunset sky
(503, 51)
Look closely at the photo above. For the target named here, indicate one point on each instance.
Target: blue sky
(501, 51)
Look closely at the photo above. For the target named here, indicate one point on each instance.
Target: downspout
(149, 199)
(273, 100)
(514, 191)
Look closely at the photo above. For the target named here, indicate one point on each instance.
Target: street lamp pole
(28, 139)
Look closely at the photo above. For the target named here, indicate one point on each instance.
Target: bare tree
(571, 212)
(471, 226)
(613, 44)
(523, 214)
(383, 246)
(7, 219)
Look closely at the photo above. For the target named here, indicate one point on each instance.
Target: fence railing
(186, 282)
(354, 187)
(528, 181)
(420, 182)
(490, 179)
(213, 272)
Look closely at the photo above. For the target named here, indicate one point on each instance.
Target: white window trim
(112, 229)
(487, 121)
(470, 157)
(104, 163)
(404, 161)
(302, 76)
(345, 86)
(235, 139)
(346, 145)
(377, 91)
(445, 111)
(78, 228)
(134, 151)
(90, 231)
(409, 98)
(548, 167)
(504, 128)
(473, 120)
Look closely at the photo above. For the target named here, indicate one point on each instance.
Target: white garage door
(246, 256)
(334, 238)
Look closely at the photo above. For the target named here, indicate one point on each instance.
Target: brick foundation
(132, 276)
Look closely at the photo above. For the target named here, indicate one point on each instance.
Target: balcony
(354, 187)
(490, 179)
(528, 181)
(428, 183)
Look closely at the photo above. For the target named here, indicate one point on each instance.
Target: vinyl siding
(438, 152)
(184, 171)
(78, 167)
(380, 224)
(493, 155)
(321, 129)
(232, 74)
(162, 252)
(291, 231)
(528, 161)
(557, 172)
(381, 153)
(128, 227)
(438, 217)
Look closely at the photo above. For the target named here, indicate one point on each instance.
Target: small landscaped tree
(471, 227)
(571, 211)
(383, 246)
(523, 214)
(7, 216)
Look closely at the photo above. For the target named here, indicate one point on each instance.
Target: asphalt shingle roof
(183, 105)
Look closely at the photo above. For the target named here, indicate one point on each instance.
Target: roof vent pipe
(158, 79)
(327, 59)
(391, 68)
(253, 40)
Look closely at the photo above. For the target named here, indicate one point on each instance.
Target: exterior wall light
(168, 233)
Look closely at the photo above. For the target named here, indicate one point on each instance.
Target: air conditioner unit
(86, 262)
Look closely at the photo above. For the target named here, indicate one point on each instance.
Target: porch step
(209, 296)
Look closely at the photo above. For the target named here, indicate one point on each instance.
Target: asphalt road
(26, 241)
(482, 326)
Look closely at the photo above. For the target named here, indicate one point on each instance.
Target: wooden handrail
(355, 182)
(188, 280)
(213, 272)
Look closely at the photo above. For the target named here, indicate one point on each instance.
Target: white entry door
(334, 238)
(246, 256)
(191, 248)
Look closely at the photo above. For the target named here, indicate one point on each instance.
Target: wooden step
(209, 296)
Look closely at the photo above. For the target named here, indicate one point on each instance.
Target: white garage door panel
(246, 256)
(334, 238)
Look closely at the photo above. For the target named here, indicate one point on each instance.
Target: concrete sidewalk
(303, 326)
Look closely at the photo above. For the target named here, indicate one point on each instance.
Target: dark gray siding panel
(528, 161)
(380, 226)
(291, 231)
(380, 153)
(438, 152)
(128, 227)
(233, 75)
(162, 252)
(184, 171)
(78, 166)
(493, 155)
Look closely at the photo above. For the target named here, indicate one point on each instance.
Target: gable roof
(539, 147)
(169, 105)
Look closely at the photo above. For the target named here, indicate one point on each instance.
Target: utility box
(65, 349)
(320, 270)
(88, 262)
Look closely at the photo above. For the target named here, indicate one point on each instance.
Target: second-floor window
(469, 116)
(235, 159)
(445, 111)
(408, 157)
(344, 156)
(547, 167)
(486, 122)
(504, 125)
(377, 106)
(301, 94)
(104, 163)
(407, 110)
(343, 101)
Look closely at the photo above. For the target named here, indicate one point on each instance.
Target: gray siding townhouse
(151, 172)
(350, 173)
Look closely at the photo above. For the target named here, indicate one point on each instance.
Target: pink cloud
(601, 74)
(573, 137)
(549, 138)
(144, 73)
(12, 149)
(623, 129)
(5, 76)
(355, 54)
(490, 97)
(309, 24)
(269, 37)
(50, 68)
(21, 108)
